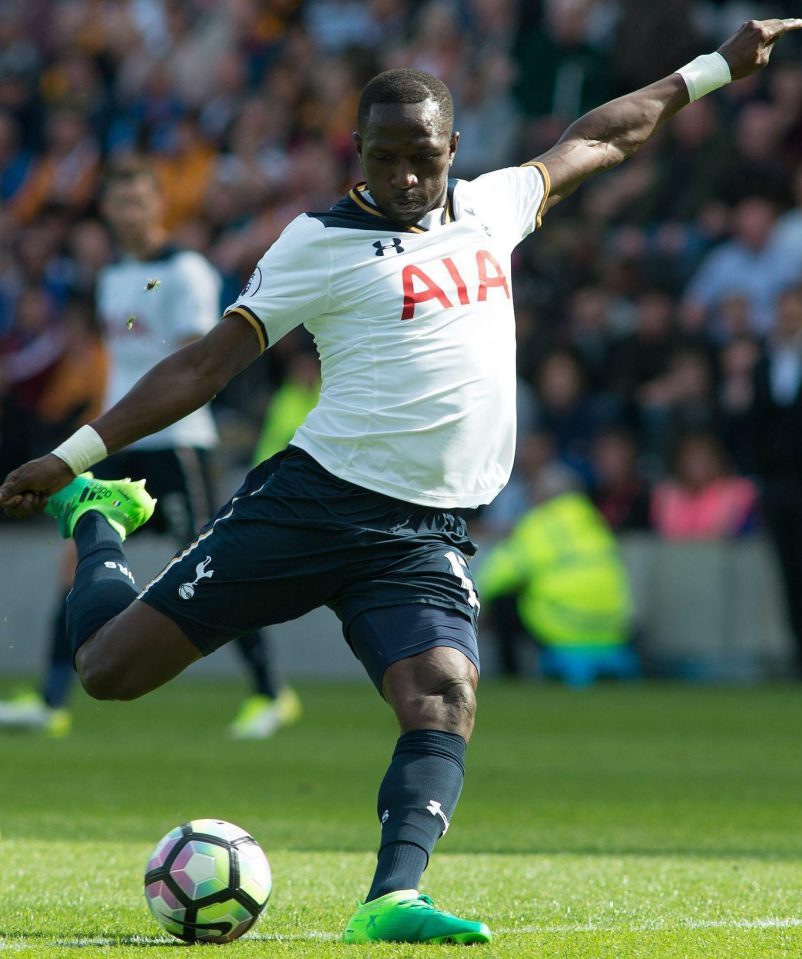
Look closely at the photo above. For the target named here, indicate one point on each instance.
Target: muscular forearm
(180, 384)
(606, 136)
(618, 128)
(170, 391)
(174, 388)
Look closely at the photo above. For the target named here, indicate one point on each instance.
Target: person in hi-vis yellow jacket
(563, 563)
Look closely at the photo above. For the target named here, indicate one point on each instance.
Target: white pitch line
(790, 922)
(660, 926)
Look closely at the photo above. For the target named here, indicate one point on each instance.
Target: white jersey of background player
(142, 327)
(416, 334)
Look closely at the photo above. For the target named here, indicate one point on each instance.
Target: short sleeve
(290, 285)
(195, 285)
(514, 198)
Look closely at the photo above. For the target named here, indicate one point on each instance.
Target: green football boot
(406, 916)
(125, 504)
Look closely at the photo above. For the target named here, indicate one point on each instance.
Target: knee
(458, 698)
(434, 690)
(449, 705)
(101, 677)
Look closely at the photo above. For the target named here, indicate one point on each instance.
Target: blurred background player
(155, 299)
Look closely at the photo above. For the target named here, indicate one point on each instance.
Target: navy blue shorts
(294, 537)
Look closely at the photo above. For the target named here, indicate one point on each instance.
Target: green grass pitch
(655, 822)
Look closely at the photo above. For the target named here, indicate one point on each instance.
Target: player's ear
(358, 141)
(452, 146)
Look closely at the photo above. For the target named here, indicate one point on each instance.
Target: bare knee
(133, 654)
(101, 676)
(436, 690)
(455, 703)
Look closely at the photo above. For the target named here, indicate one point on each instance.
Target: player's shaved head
(407, 86)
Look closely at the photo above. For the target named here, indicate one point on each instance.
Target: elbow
(617, 151)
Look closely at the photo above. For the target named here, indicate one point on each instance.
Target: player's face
(133, 209)
(406, 155)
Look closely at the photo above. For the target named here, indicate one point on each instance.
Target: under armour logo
(471, 212)
(187, 590)
(436, 809)
(394, 245)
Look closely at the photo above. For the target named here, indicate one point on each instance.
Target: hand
(26, 490)
(750, 48)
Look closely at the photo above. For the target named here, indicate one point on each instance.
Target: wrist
(704, 74)
(82, 450)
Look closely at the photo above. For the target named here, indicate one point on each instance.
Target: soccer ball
(207, 881)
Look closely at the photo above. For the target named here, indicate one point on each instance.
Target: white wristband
(705, 74)
(82, 450)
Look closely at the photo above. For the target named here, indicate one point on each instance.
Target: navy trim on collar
(354, 212)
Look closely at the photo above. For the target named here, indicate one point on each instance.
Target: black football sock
(58, 678)
(104, 586)
(257, 651)
(417, 798)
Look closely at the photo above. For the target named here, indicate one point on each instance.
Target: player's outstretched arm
(180, 384)
(604, 137)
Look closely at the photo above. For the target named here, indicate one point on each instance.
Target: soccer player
(152, 300)
(404, 284)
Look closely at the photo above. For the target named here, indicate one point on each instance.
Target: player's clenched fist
(750, 48)
(26, 490)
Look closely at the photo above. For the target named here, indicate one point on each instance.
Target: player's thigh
(424, 660)
(137, 651)
(254, 565)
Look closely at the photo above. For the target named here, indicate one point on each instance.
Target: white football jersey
(142, 327)
(416, 335)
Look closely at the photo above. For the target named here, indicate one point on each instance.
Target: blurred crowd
(659, 310)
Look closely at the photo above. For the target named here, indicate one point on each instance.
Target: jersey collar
(360, 195)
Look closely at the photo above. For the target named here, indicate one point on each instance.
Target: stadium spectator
(640, 358)
(15, 160)
(702, 499)
(758, 161)
(487, 115)
(185, 170)
(619, 492)
(777, 438)
(689, 167)
(562, 564)
(787, 239)
(29, 356)
(65, 176)
(747, 264)
(738, 359)
(565, 408)
(562, 71)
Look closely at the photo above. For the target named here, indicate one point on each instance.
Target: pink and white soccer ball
(207, 881)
